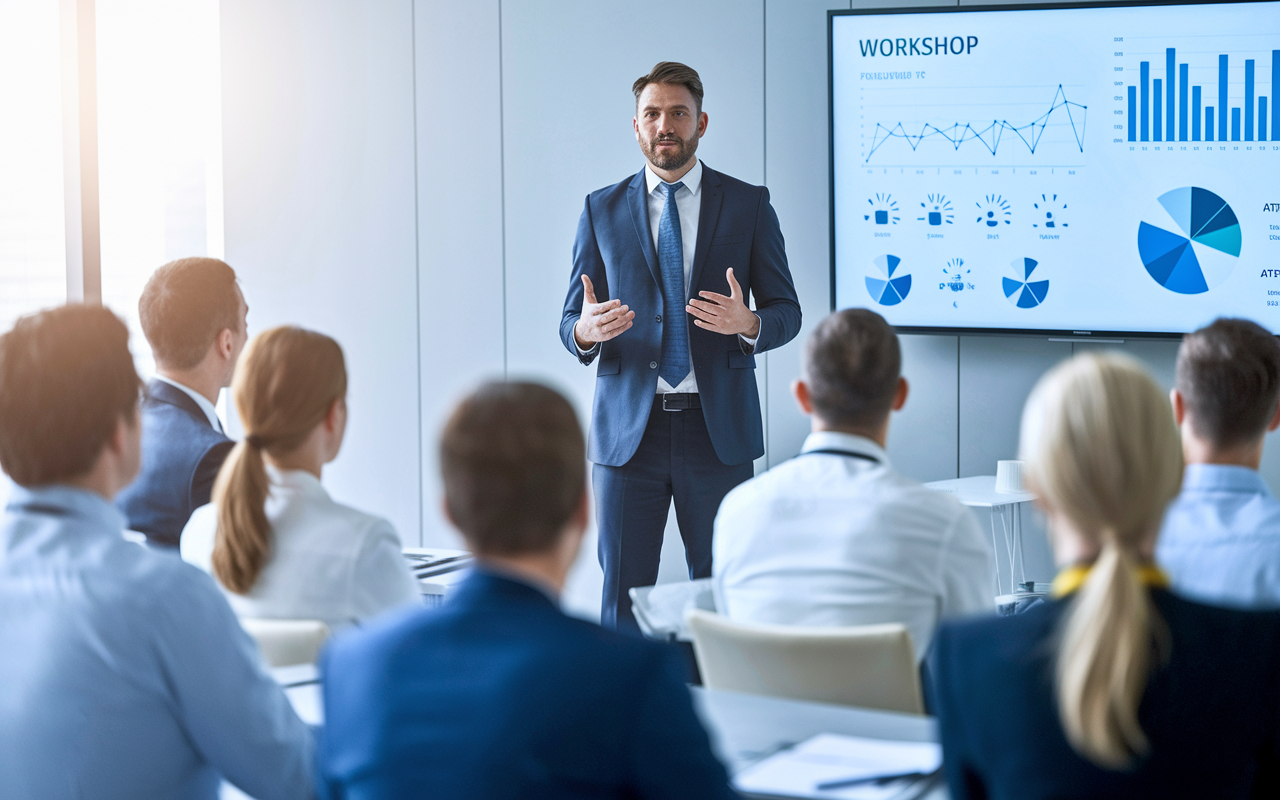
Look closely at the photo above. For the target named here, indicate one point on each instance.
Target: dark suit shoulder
(729, 183)
(610, 194)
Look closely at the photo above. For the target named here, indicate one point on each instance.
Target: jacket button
(658, 318)
(653, 365)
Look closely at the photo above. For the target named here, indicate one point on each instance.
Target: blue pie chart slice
(1204, 220)
(892, 291)
(1025, 293)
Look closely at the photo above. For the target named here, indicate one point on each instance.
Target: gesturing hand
(600, 322)
(727, 315)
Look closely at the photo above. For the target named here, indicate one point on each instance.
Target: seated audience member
(498, 694)
(193, 315)
(1221, 537)
(274, 539)
(1118, 687)
(836, 537)
(123, 672)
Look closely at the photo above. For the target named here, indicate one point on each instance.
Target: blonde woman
(273, 538)
(1117, 688)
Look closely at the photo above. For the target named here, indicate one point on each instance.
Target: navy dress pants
(675, 461)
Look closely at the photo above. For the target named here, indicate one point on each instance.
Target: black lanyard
(847, 453)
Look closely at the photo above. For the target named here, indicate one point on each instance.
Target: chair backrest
(287, 641)
(870, 666)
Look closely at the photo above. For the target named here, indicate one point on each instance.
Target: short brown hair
(673, 73)
(514, 467)
(66, 379)
(185, 305)
(852, 362)
(1229, 377)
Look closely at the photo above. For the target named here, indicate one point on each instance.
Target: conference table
(744, 728)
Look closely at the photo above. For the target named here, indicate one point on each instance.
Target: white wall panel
(924, 435)
(320, 225)
(459, 140)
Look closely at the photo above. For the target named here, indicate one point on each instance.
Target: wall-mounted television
(1069, 170)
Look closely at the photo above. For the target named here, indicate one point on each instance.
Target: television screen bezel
(944, 330)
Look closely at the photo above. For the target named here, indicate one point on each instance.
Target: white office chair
(285, 642)
(870, 666)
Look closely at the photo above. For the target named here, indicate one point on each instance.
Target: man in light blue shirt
(1221, 538)
(123, 672)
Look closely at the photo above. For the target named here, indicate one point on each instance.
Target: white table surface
(746, 728)
(980, 491)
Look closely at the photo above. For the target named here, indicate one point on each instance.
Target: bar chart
(1201, 96)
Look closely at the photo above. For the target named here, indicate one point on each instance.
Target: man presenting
(676, 412)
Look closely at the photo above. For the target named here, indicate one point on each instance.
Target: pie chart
(888, 291)
(1021, 290)
(1195, 244)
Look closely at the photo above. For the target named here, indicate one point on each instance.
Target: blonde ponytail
(1103, 662)
(287, 380)
(1103, 452)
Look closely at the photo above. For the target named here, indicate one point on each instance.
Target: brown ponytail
(287, 380)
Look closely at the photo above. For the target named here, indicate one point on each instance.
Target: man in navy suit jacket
(194, 317)
(677, 412)
(498, 694)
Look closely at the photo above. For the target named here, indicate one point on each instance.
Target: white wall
(407, 175)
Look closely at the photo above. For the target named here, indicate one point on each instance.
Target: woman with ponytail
(279, 546)
(1117, 687)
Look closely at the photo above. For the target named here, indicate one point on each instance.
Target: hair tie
(255, 441)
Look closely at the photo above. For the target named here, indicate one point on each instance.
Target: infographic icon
(1199, 249)
(1021, 290)
(889, 290)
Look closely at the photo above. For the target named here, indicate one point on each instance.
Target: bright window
(159, 144)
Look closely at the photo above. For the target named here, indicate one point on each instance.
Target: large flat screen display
(1073, 170)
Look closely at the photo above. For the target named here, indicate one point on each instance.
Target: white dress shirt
(833, 540)
(208, 408)
(328, 561)
(689, 205)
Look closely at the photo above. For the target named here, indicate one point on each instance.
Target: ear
(900, 395)
(635, 126)
(804, 399)
(444, 509)
(703, 119)
(331, 416)
(1275, 420)
(1180, 407)
(226, 343)
(582, 514)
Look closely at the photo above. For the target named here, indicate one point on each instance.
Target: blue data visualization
(1071, 171)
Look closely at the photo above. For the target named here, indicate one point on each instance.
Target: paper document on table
(828, 757)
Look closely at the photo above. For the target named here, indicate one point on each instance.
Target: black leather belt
(679, 401)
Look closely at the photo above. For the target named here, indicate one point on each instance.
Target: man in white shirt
(835, 537)
(194, 317)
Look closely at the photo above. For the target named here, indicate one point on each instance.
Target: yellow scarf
(1073, 577)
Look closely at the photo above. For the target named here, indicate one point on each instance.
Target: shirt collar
(208, 408)
(834, 440)
(1223, 478)
(692, 179)
(296, 479)
(68, 499)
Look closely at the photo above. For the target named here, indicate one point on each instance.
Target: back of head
(852, 363)
(184, 306)
(66, 380)
(1103, 453)
(285, 383)
(1229, 378)
(514, 466)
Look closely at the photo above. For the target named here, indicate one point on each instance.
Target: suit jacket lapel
(637, 199)
(708, 215)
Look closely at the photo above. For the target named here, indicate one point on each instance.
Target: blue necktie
(675, 333)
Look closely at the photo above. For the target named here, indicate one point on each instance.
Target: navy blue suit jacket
(497, 694)
(181, 456)
(614, 248)
(1211, 712)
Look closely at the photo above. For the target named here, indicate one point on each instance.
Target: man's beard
(670, 160)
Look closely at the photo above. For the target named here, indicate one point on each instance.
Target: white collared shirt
(208, 408)
(832, 540)
(328, 561)
(689, 205)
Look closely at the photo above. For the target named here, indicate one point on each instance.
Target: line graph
(1064, 120)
